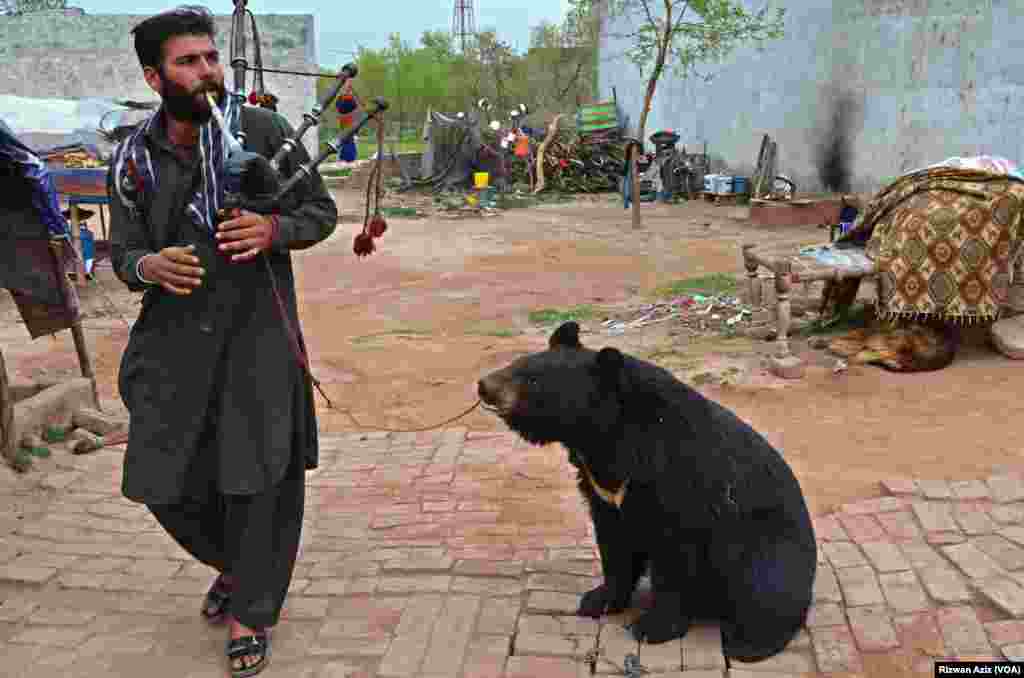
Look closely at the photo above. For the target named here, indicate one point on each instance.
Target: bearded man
(223, 425)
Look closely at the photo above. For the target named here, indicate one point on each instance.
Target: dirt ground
(400, 338)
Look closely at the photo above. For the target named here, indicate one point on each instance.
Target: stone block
(54, 406)
(789, 367)
(82, 441)
(1008, 336)
(860, 586)
(98, 422)
(1004, 593)
(872, 628)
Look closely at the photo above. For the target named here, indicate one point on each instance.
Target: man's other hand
(176, 269)
(247, 233)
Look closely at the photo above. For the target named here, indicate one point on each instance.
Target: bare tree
(684, 36)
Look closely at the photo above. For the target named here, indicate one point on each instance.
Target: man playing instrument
(223, 424)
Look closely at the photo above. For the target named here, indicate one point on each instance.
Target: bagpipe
(255, 183)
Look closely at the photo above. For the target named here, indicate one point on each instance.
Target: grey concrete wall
(59, 56)
(929, 78)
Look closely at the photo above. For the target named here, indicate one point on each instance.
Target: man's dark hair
(152, 33)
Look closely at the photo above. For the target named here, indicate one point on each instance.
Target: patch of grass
(708, 285)
(402, 331)
(503, 333)
(553, 316)
(855, 317)
(513, 201)
(337, 172)
(671, 359)
(399, 211)
(367, 146)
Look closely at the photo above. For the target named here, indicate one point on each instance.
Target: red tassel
(363, 245)
(254, 98)
(377, 226)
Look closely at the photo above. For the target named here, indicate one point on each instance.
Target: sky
(343, 26)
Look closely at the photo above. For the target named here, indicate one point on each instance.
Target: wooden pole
(76, 327)
(8, 444)
(76, 237)
(83, 359)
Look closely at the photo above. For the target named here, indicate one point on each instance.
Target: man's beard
(184, 105)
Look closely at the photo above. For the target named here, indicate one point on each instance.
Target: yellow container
(480, 179)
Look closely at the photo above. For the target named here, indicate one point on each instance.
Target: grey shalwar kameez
(223, 423)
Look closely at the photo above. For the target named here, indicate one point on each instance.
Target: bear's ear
(566, 336)
(609, 363)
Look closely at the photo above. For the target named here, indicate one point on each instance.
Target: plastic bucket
(723, 184)
(481, 179)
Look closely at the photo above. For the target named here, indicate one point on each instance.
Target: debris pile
(699, 314)
(573, 166)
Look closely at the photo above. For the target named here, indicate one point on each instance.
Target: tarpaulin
(36, 252)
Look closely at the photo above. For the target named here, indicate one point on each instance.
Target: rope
(303, 361)
(374, 183)
(412, 430)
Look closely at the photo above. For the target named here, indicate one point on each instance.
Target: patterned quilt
(945, 239)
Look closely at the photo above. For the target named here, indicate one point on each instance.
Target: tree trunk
(652, 84)
(7, 442)
(641, 130)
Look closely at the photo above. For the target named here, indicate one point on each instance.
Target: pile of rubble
(697, 314)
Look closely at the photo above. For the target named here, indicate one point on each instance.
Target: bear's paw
(659, 625)
(602, 600)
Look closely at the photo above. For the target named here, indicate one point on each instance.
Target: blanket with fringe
(945, 239)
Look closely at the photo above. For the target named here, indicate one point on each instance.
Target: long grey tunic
(223, 349)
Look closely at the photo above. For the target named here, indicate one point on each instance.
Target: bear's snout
(495, 393)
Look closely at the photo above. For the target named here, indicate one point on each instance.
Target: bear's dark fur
(690, 491)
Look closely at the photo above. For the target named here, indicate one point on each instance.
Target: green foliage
(708, 285)
(684, 36)
(553, 316)
(557, 73)
(702, 31)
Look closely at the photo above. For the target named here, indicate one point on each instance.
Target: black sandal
(215, 606)
(257, 645)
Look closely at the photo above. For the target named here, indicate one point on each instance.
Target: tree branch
(572, 81)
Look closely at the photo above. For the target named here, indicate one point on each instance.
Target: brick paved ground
(442, 554)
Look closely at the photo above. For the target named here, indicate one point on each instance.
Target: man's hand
(247, 233)
(175, 269)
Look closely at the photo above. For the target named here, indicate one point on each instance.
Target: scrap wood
(552, 131)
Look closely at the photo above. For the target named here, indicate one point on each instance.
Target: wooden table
(82, 186)
(822, 262)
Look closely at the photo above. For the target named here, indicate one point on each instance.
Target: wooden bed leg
(753, 283)
(1015, 295)
(784, 364)
(783, 308)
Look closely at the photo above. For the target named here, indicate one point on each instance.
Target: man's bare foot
(247, 661)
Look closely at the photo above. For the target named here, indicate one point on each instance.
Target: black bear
(675, 483)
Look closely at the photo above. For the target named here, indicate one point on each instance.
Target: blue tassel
(347, 152)
(346, 104)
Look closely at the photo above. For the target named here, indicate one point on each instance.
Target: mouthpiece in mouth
(233, 145)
